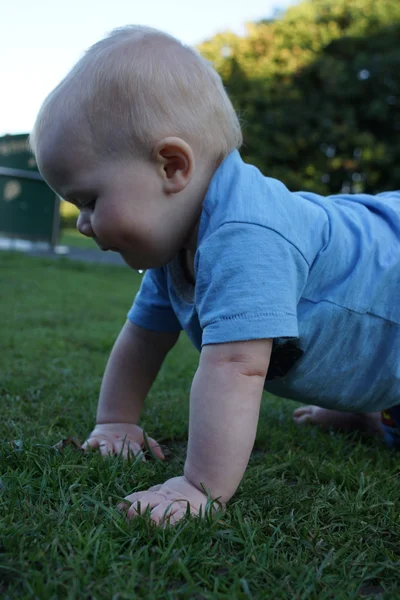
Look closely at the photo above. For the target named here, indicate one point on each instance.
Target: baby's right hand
(125, 438)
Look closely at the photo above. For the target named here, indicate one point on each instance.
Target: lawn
(316, 516)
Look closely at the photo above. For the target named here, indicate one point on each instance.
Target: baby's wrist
(117, 425)
(209, 491)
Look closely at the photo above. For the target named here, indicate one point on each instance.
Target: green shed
(29, 209)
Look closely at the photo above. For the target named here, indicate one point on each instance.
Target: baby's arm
(133, 365)
(224, 409)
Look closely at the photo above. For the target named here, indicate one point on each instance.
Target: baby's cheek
(104, 227)
(136, 236)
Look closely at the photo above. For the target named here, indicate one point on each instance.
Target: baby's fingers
(139, 501)
(169, 512)
(177, 516)
(155, 448)
(90, 443)
(128, 449)
(106, 447)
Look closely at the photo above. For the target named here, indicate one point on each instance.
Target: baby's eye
(91, 204)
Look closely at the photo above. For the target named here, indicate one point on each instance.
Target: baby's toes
(305, 414)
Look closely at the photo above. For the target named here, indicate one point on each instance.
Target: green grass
(317, 515)
(72, 237)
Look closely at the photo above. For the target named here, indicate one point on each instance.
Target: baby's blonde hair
(136, 86)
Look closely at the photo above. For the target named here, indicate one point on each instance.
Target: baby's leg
(385, 423)
(369, 423)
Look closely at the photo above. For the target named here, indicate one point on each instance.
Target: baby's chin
(144, 263)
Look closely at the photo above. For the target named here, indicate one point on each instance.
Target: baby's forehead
(54, 160)
(51, 156)
(62, 163)
(62, 136)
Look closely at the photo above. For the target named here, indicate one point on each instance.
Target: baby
(289, 292)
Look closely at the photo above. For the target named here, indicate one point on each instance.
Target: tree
(318, 92)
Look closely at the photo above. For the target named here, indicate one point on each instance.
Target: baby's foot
(369, 423)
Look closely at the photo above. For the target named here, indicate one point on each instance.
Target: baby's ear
(176, 161)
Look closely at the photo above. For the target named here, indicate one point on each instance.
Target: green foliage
(68, 215)
(318, 92)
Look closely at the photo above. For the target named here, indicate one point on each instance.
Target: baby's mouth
(104, 248)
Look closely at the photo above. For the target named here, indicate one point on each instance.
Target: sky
(40, 40)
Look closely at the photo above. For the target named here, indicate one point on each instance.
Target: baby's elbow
(248, 358)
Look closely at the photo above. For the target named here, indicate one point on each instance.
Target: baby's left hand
(168, 502)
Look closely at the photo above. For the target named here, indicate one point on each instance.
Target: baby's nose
(83, 225)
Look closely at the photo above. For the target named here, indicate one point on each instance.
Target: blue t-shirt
(319, 275)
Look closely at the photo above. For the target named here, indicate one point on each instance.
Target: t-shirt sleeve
(152, 308)
(249, 280)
